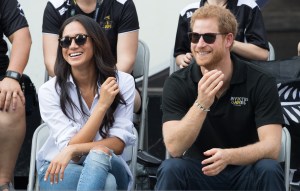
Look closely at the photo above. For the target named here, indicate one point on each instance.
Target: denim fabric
(186, 174)
(94, 174)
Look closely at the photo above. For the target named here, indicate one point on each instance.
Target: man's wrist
(201, 107)
(13, 75)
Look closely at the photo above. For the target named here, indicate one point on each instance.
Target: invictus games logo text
(238, 101)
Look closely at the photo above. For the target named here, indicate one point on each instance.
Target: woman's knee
(99, 156)
(102, 149)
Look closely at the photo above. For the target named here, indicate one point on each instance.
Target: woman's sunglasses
(66, 41)
(208, 38)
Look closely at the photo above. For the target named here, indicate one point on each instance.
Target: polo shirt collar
(239, 70)
(238, 75)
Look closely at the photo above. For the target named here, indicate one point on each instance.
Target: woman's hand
(108, 91)
(58, 165)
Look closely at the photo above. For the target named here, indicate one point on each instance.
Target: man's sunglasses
(66, 41)
(208, 38)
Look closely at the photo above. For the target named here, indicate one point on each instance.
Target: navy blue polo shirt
(250, 102)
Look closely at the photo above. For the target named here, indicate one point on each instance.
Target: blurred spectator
(14, 26)
(251, 40)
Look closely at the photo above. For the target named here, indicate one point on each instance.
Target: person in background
(250, 42)
(222, 118)
(12, 101)
(261, 3)
(88, 107)
(298, 49)
(118, 20)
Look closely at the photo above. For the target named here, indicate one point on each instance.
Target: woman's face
(79, 53)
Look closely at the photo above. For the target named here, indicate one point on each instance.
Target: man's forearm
(180, 135)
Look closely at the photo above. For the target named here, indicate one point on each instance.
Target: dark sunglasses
(208, 38)
(66, 41)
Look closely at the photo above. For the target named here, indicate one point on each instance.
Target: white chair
(39, 137)
(285, 155)
(173, 66)
(141, 74)
(271, 52)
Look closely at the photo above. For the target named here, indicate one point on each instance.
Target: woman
(118, 20)
(88, 108)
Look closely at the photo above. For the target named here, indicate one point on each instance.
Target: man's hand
(217, 161)
(10, 89)
(208, 86)
(183, 60)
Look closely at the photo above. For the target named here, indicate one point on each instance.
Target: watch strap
(14, 75)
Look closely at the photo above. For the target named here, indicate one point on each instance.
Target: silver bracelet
(201, 107)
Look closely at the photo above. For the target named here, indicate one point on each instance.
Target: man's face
(206, 53)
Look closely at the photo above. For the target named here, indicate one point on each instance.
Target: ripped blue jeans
(99, 171)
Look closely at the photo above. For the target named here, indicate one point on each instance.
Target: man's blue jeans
(98, 172)
(186, 174)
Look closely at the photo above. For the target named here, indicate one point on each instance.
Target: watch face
(14, 75)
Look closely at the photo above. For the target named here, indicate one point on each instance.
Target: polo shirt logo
(107, 24)
(238, 101)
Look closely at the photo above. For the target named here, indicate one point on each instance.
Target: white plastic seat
(285, 155)
(141, 74)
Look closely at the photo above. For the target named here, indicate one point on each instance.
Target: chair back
(141, 73)
(39, 137)
(271, 52)
(285, 155)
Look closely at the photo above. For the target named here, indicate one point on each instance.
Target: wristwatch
(13, 75)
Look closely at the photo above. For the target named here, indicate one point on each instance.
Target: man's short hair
(227, 21)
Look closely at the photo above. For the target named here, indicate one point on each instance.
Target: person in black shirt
(14, 26)
(222, 118)
(118, 19)
(251, 39)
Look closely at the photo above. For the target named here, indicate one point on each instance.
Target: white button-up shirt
(62, 129)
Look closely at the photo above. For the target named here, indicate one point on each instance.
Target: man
(221, 116)
(250, 42)
(12, 101)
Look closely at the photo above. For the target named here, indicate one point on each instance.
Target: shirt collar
(238, 74)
